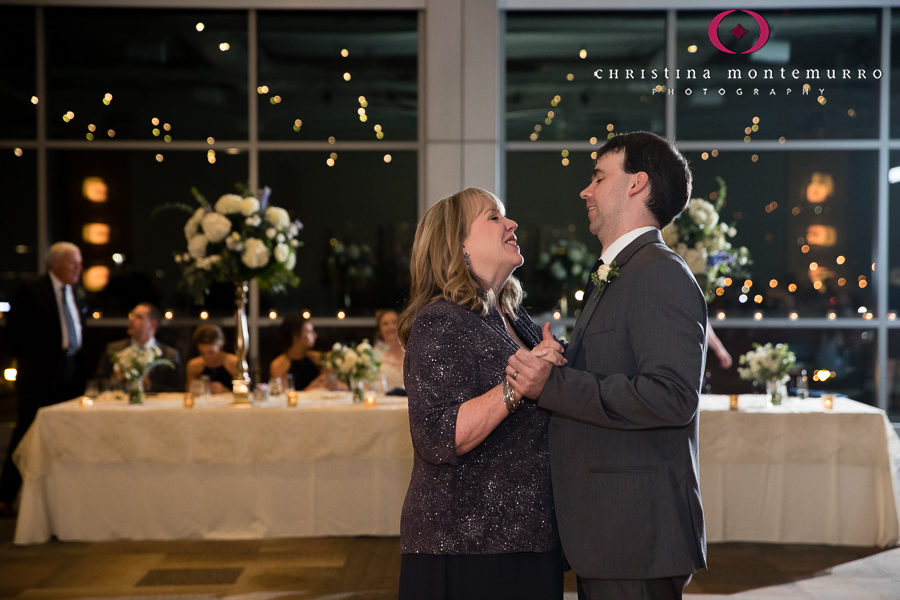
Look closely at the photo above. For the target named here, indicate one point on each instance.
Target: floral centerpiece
(703, 241)
(239, 238)
(567, 263)
(770, 364)
(133, 363)
(353, 365)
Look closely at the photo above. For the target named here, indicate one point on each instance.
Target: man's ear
(640, 181)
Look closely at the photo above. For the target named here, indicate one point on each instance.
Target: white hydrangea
(249, 205)
(694, 257)
(282, 251)
(703, 213)
(197, 246)
(256, 253)
(193, 224)
(228, 204)
(278, 217)
(216, 226)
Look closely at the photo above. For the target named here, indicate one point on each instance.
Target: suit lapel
(594, 300)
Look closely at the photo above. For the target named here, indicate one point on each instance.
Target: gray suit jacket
(623, 437)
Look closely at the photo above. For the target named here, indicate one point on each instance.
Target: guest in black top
(298, 359)
(478, 519)
(45, 332)
(221, 367)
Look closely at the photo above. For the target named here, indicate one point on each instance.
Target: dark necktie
(589, 286)
(70, 325)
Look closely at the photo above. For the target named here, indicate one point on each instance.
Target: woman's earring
(468, 262)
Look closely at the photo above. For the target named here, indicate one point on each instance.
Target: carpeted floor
(367, 569)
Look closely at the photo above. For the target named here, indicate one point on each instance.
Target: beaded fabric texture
(496, 498)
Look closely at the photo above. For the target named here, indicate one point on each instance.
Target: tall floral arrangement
(239, 238)
(703, 241)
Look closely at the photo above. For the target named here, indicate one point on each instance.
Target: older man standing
(45, 327)
(143, 321)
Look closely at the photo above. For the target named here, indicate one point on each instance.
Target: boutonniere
(604, 274)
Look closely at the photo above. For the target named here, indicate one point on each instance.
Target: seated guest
(389, 349)
(221, 367)
(298, 359)
(143, 321)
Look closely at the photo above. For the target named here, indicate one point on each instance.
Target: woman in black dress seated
(298, 359)
(478, 520)
(221, 367)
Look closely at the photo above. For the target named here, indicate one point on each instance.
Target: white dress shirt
(610, 253)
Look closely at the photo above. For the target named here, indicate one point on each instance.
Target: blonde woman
(478, 518)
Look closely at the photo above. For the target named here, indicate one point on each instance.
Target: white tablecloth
(798, 473)
(794, 474)
(160, 471)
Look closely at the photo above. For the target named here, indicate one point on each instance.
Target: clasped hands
(527, 370)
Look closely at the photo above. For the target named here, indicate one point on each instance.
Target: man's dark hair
(666, 168)
(153, 312)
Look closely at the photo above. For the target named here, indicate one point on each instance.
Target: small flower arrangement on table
(133, 364)
(353, 365)
(703, 241)
(769, 364)
(239, 238)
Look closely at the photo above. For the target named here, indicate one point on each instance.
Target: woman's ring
(515, 374)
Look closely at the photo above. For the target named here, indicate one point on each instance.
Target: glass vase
(136, 391)
(357, 390)
(776, 391)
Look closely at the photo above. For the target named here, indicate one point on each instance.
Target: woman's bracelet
(509, 397)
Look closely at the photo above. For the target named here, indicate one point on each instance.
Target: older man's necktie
(70, 324)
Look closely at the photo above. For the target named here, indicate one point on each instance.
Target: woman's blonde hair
(438, 267)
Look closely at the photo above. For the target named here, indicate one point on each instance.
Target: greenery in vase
(239, 238)
(352, 362)
(703, 241)
(134, 363)
(767, 363)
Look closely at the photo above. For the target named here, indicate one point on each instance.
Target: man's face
(140, 326)
(606, 197)
(67, 267)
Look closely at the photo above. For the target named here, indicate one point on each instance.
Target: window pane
(542, 197)
(359, 219)
(895, 72)
(894, 237)
(130, 247)
(18, 227)
(17, 71)
(848, 109)
(847, 356)
(304, 93)
(155, 64)
(808, 219)
(893, 378)
(543, 61)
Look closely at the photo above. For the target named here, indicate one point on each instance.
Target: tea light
(370, 400)
(189, 400)
(85, 401)
(241, 389)
(292, 398)
(828, 401)
(732, 402)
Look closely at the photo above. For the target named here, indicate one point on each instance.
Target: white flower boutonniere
(604, 274)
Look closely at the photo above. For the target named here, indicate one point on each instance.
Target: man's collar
(150, 343)
(610, 253)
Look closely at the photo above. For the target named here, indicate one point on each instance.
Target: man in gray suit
(623, 436)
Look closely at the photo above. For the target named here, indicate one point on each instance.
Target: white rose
(190, 228)
(291, 262)
(270, 233)
(670, 235)
(256, 254)
(216, 226)
(253, 221)
(249, 206)
(282, 251)
(229, 204)
(233, 242)
(337, 346)
(703, 213)
(278, 217)
(281, 237)
(603, 272)
(197, 246)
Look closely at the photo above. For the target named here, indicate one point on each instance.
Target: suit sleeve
(441, 375)
(666, 329)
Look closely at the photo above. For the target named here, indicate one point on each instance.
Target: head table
(109, 470)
